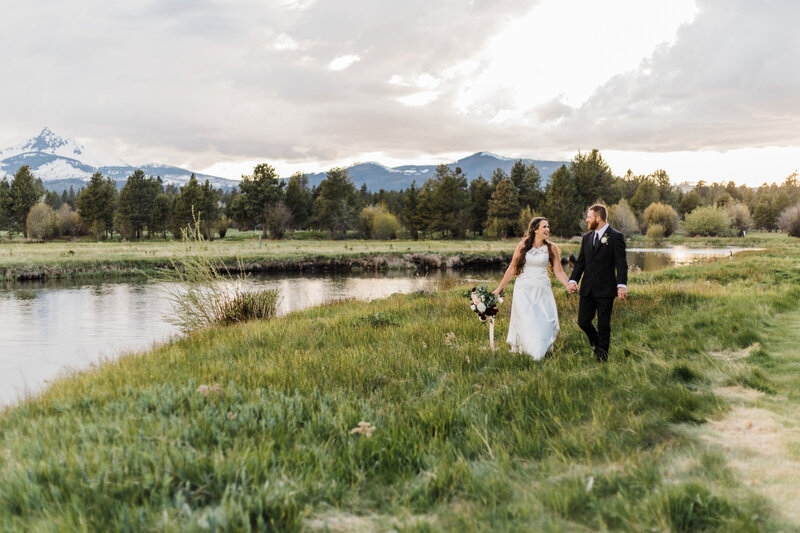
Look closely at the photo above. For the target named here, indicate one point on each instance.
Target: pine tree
(646, 194)
(410, 215)
(5, 205)
(196, 203)
(260, 193)
(593, 179)
(24, 192)
(503, 214)
(135, 204)
(298, 200)
(479, 194)
(96, 204)
(337, 205)
(528, 181)
(450, 202)
(561, 204)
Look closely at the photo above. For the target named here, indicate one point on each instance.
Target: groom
(604, 267)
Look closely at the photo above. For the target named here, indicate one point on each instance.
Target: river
(49, 329)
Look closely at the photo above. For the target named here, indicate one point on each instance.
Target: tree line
(445, 205)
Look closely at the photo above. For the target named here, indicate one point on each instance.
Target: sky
(704, 89)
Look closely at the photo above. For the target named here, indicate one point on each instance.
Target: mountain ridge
(62, 163)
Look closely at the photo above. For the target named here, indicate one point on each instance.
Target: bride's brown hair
(528, 240)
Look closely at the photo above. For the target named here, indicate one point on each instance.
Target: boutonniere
(604, 239)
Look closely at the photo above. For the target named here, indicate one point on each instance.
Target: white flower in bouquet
(473, 307)
(499, 300)
(482, 307)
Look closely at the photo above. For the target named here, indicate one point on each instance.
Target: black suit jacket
(603, 268)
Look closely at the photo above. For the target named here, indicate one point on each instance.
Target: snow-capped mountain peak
(48, 142)
(61, 162)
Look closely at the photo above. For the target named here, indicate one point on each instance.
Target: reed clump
(205, 293)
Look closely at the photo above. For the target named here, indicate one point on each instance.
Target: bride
(534, 317)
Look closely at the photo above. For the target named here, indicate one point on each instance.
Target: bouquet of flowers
(483, 302)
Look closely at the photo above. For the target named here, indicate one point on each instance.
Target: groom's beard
(594, 225)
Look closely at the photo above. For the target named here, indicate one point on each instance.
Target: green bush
(622, 218)
(376, 222)
(789, 221)
(708, 221)
(222, 226)
(69, 223)
(655, 233)
(665, 215)
(42, 222)
(739, 215)
(525, 216)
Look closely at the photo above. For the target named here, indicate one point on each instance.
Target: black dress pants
(588, 307)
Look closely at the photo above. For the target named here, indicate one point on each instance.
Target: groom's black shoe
(601, 354)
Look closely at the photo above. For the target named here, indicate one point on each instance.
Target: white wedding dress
(534, 318)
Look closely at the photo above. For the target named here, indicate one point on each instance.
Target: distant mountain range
(378, 176)
(60, 163)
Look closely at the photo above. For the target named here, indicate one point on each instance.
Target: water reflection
(658, 258)
(50, 328)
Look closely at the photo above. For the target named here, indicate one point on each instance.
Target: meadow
(21, 259)
(113, 258)
(394, 415)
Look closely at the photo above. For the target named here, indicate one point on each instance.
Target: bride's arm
(558, 270)
(510, 270)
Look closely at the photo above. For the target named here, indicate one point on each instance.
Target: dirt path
(761, 433)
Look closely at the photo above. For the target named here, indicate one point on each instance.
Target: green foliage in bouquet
(483, 302)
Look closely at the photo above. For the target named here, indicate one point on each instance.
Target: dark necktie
(596, 241)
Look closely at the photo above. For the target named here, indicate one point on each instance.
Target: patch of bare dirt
(757, 443)
(336, 521)
(735, 355)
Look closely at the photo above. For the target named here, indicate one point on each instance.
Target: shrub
(622, 218)
(665, 215)
(789, 221)
(42, 222)
(376, 222)
(655, 233)
(525, 216)
(708, 221)
(69, 223)
(222, 226)
(386, 226)
(366, 220)
(278, 220)
(739, 215)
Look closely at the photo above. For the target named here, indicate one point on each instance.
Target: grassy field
(32, 260)
(464, 438)
(92, 258)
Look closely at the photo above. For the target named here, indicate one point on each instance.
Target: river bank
(394, 414)
(26, 261)
(234, 265)
(23, 261)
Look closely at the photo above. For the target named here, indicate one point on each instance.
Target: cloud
(729, 81)
(342, 62)
(204, 82)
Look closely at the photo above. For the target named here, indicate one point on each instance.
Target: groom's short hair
(600, 210)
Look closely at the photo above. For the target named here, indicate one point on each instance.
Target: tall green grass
(464, 439)
(204, 293)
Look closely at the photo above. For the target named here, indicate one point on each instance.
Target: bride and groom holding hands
(602, 265)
